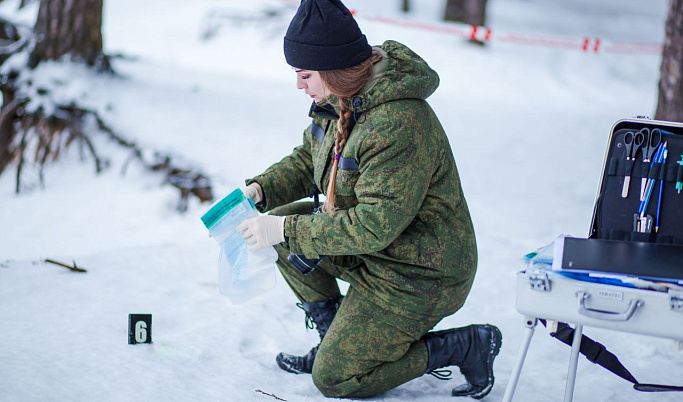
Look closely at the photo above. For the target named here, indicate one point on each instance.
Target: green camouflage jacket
(402, 209)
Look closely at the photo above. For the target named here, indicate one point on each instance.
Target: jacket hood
(401, 74)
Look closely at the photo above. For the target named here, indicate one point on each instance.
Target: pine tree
(69, 28)
(670, 103)
(471, 12)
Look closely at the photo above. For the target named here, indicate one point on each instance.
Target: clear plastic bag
(242, 274)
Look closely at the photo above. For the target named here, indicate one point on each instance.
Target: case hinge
(676, 301)
(538, 281)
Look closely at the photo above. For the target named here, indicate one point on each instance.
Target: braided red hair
(344, 84)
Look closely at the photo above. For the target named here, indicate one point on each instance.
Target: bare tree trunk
(406, 6)
(25, 3)
(72, 27)
(670, 104)
(471, 12)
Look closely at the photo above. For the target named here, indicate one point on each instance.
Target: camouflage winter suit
(402, 238)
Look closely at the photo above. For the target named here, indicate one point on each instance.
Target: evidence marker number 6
(139, 328)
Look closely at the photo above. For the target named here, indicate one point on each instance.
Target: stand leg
(530, 325)
(573, 363)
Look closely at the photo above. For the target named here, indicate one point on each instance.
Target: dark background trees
(670, 102)
(472, 12)
(71, 28)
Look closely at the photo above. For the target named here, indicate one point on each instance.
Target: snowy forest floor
(528, 126)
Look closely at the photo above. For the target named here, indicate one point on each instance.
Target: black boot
(319, 315)
(472, 349)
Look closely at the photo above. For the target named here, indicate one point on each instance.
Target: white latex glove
(263, 231)
(253, 191)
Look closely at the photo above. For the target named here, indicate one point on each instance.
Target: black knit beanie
(324, 36)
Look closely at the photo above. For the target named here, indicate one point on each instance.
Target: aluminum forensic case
(549, 295)
(616, 247)
(627, 275)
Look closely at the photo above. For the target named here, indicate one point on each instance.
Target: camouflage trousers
(367, 350)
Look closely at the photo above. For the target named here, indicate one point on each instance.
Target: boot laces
(442, 374)
(308, 320)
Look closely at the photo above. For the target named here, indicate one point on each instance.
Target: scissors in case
(632, 142)
(652, 140)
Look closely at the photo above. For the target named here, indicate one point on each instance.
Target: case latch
(676, 301)
(538, 281)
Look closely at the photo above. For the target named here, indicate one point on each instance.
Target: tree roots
(39, 139)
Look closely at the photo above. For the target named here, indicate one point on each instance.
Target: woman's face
(312, 84)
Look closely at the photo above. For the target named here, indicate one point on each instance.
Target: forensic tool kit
(628, 274)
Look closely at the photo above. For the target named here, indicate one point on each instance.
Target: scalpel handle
(643, 188)
(624, 190)
(627, 178)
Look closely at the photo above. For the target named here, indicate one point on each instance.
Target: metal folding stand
(529, 328)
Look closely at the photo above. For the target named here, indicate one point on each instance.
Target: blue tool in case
(628, 274)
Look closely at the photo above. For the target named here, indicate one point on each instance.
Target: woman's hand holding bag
(253, 191)
(263, 231)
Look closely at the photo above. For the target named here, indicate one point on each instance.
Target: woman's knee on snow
(328, 378)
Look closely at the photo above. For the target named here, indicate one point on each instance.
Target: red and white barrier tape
(484, 34)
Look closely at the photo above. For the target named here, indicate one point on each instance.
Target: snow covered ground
(528, 126)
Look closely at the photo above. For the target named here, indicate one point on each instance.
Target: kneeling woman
(394, 225)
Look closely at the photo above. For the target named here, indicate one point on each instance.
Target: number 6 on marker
(140, 332)
(139, 328)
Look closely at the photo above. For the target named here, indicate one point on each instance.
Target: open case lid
(614, 213)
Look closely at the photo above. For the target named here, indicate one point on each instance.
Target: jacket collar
(325, 110)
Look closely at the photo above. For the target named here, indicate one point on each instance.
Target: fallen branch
(74, 268)
(265, 393)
